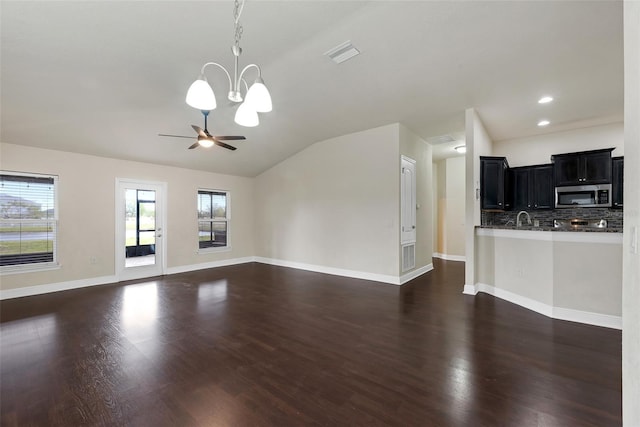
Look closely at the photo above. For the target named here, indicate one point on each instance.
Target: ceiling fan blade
(175, 136)
(229, 138)
(195, 145)
(199, 131)
(222, 144)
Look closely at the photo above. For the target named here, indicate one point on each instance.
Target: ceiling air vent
(442, 139)
(341, 53)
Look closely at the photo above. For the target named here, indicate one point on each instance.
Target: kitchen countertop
(543, 228)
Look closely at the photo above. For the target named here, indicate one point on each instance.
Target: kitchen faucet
(519, 222)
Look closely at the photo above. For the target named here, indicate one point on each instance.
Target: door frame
(160, 266)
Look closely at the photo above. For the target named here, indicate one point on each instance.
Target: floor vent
(408, 257)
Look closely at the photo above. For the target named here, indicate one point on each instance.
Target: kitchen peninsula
(569, 273)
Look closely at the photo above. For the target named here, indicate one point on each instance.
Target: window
(213, 219)
(28, 220)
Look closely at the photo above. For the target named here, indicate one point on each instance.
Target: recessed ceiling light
(461, 149)
(545, 100)
(543, 122)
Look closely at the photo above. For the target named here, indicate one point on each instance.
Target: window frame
(226, 219)
(36, 266)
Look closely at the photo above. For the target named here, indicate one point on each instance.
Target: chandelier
(257, 98)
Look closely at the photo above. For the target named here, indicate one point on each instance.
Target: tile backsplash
(546, 216)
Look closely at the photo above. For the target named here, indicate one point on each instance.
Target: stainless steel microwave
(584, 196)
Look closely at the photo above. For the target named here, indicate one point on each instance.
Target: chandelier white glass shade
(200, 95)
(246, 115)
(257, 98)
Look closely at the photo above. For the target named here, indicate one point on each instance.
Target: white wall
(438, 195)
(334, 204)
(455, 192)
(539, 148)
(86, 206)
(631, 260)
(450, 189)
(478, 144)
(414, 147)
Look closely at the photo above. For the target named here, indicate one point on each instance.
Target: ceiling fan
(205, 139)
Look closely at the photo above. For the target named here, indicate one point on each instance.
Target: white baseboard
(212, 264)
(449, 257)
(415, 273)
(525, 302)
(393, 280)
(589, 318)
(95, 281)
(469, 290)
(56, 287)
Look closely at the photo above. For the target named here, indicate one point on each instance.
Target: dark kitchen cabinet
(494, 185)
(532, 187)
(586, 167)
(617, 181)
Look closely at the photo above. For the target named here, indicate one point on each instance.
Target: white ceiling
(105, 77)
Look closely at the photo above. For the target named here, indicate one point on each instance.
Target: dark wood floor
(256, 345)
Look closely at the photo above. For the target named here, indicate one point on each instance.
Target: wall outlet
(93, 260)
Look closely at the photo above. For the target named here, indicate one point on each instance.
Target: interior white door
(140, 228)
(408, 201)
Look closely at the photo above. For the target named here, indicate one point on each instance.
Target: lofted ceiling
(105, 77)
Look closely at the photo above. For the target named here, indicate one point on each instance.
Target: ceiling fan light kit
(205, 139)
(257, 98)
(205, 142)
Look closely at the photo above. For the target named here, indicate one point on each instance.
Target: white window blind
(28, 219)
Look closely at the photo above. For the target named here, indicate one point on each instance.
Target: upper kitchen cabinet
(617, 181)
(586, 167)
(494, 186)
(532, 187)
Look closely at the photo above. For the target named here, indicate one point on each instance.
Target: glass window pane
(219, 205)
(212, 234)
(26, 197)
(147, 216)
(24, 243)
(147, 238)
(131, 203)
(147, 196)
(204, 231)
(204, 205)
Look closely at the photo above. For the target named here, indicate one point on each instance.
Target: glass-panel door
(139, 229)
(140, 225)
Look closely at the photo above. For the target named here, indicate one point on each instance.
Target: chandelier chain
(237, 11)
